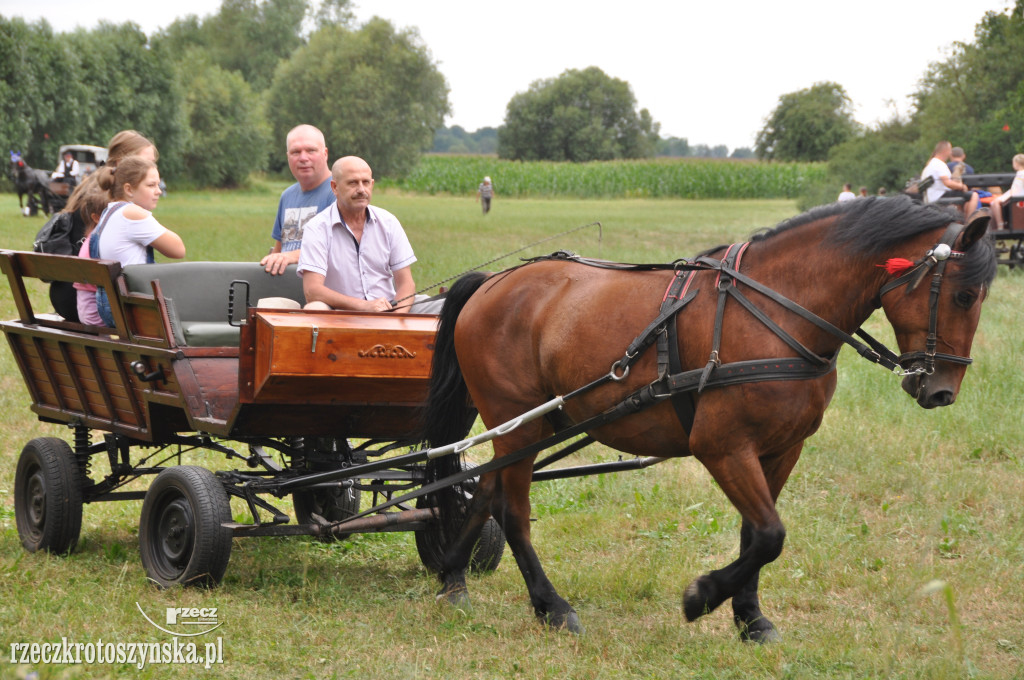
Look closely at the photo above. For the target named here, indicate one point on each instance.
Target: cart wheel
(331, 504)
(1017, 255)
(182, 537)
(48, 496)
(432, 543)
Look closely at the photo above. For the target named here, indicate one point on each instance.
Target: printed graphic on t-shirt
(294, 220)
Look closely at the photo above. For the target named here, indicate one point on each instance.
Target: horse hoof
(459, 599)
(573, 625)
(697, 599)
(570, 622)
(762, 636)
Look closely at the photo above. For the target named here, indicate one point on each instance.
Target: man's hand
(276, 263)
(378, 305)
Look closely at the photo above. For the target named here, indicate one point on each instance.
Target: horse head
(934, 305)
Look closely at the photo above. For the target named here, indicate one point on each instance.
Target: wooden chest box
(339, 358)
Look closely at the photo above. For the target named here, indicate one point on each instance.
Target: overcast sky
(707, 71)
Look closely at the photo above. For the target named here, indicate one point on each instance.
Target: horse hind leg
(511, 508)
(456, 559)
(505, 496)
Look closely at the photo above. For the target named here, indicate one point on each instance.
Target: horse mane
(870, 227)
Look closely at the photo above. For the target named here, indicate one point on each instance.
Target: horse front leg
(741, 477)
(753, 625)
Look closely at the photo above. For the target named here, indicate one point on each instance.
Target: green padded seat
(197, 295)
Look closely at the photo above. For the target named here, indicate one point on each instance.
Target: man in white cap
(485, 192)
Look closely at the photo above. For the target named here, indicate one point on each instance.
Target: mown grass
(887, 499)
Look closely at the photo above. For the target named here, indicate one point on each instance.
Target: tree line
(974, 98)
(217, 95)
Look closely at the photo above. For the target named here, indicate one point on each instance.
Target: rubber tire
(432, 542)
(48, 496)
(191, 501)
(325, 503)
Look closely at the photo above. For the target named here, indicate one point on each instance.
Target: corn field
(662, 178)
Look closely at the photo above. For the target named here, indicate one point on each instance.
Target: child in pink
(87, 294)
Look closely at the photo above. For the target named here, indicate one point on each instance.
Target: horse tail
(448, 415)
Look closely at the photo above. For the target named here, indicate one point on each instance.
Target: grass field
(905, 548)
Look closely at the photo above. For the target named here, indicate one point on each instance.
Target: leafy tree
(578, 116)
(83, 87)
(129, 86)
(39, 91)
(226, 125)
(743, 152)
(886, 156)
(974, 97)
(806, 124)
(374, 92)
(456, 140)
(251, 37)
(333, 13)
(673, 146)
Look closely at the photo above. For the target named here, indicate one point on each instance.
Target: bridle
(935, 259)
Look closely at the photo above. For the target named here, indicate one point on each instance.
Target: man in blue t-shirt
(311, 193)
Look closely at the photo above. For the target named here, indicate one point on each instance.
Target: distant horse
(29, 181)
(514, 340)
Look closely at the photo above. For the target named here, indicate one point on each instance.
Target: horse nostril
(940, 398)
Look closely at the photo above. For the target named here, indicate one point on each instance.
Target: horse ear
(977, 225)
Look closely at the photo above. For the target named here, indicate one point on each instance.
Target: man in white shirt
(68, 170)
(944, 186)
(354, 255)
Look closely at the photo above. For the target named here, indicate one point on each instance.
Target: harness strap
(649, 335)
(726, 268)
(887, 358)
(669, 361)
(729, 374)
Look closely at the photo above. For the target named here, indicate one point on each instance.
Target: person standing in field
(846, 194)
(311, 193)
(485, 192)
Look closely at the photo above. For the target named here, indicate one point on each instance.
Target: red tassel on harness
(896, 265)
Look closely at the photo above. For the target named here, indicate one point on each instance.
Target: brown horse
(549, 327)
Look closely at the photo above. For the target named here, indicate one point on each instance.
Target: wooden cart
(192, 363)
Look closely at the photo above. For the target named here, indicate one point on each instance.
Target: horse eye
(964, 298)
